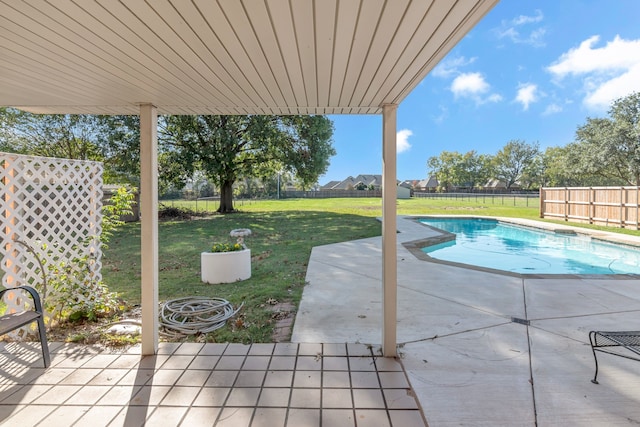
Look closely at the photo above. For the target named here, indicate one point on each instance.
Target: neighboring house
(350, 183)
(430, 184)
(496, 184)
(330, 185)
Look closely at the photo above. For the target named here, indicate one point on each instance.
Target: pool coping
(415, 246)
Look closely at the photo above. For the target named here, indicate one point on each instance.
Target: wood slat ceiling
(224, 56)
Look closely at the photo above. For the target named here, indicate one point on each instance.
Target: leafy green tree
(227, 148)
(453, 169)
(512, 161)
(610, 147)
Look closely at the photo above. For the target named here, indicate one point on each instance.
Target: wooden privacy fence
(609, 206)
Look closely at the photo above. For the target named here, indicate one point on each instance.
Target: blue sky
(530, 70)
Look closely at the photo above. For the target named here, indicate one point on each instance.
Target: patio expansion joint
(531, 381)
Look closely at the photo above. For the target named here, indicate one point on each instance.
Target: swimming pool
(493, 244)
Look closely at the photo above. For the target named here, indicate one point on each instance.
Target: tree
(610, 147)
(227, 148)
(453, 169)
(512, 161)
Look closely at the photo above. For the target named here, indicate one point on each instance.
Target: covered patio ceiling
(224, 56)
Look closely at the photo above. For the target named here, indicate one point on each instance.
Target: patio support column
(389, 228)
(149, 226)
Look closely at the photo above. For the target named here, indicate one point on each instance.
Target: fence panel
(608, 206)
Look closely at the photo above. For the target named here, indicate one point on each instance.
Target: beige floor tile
(256, 363)
(303, 417)
(307, 379)
(335, 364)
(309, 363)
(189, 348)
(230, 362)
(236, 349)
(66, 415)
(338, 418)
(204, 362)
(368, 398)
(197, 417)
(62, 361)
(164, 416)
(150, 396)
(388, 364)
(177, 362)
(393, 380)
(29, 416)
(165, 377)
(355, 349)
(399, 399)
(282, 363)
(168, 347)
(365, 380)
(108, 377)
(53, 376)
(285, 349)
(88, 395)
(125, 361)
(180, 396)
(81, 376)
(250, 379)
(214, 349)
(278, 379)
(57, 395)
(269, 417)
(261, 349)
(193, 378)
(334, 349)
(274, 397)
(408, 418)
(336, 398)
(152, 362)
(119, 395)
(136, 377)
(243, 397)
(212, 396)
(374, 418)
(336, 379)
(305, 398)
(221, 379)
(362, 364)
(309, 349)
(131, 416)
(235, 417)
(100, 361)
(23, 395)
(99, 416)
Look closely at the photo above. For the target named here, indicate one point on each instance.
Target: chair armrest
(34, 295)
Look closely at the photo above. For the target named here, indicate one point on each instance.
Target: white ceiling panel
(224, 56)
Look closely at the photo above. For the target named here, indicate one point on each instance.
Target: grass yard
(284, 232)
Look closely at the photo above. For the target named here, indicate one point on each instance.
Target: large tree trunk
(226, 197)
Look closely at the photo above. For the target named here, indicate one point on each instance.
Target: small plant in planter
(227, 262)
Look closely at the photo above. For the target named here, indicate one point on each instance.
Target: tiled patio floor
(281, 384)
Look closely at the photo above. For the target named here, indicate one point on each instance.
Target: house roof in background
(226, 56)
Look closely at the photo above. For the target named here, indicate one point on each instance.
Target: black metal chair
(606, 341)
(13, 321)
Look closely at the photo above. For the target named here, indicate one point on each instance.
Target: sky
(529, 70)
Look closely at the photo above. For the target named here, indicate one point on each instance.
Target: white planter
(225, 267)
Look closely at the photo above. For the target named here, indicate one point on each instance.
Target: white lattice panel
(52, 205)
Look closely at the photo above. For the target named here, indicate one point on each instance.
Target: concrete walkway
(464, 340)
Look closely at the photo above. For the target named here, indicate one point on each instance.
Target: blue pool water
(493, 244)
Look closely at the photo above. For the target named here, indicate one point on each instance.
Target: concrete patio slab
(481, 348)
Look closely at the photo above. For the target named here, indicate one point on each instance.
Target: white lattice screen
(53, 206)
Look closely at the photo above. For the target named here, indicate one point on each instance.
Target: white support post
(389, 229)
(149, 226)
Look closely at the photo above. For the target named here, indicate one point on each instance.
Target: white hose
(190, 315)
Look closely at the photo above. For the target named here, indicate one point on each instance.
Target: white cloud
(608, 72)
(552, 109)
(474, 86)
(402, 140)
(513, 30)
(449, 67)
(527, 95)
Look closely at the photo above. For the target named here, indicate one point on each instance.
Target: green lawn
(284, 232)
